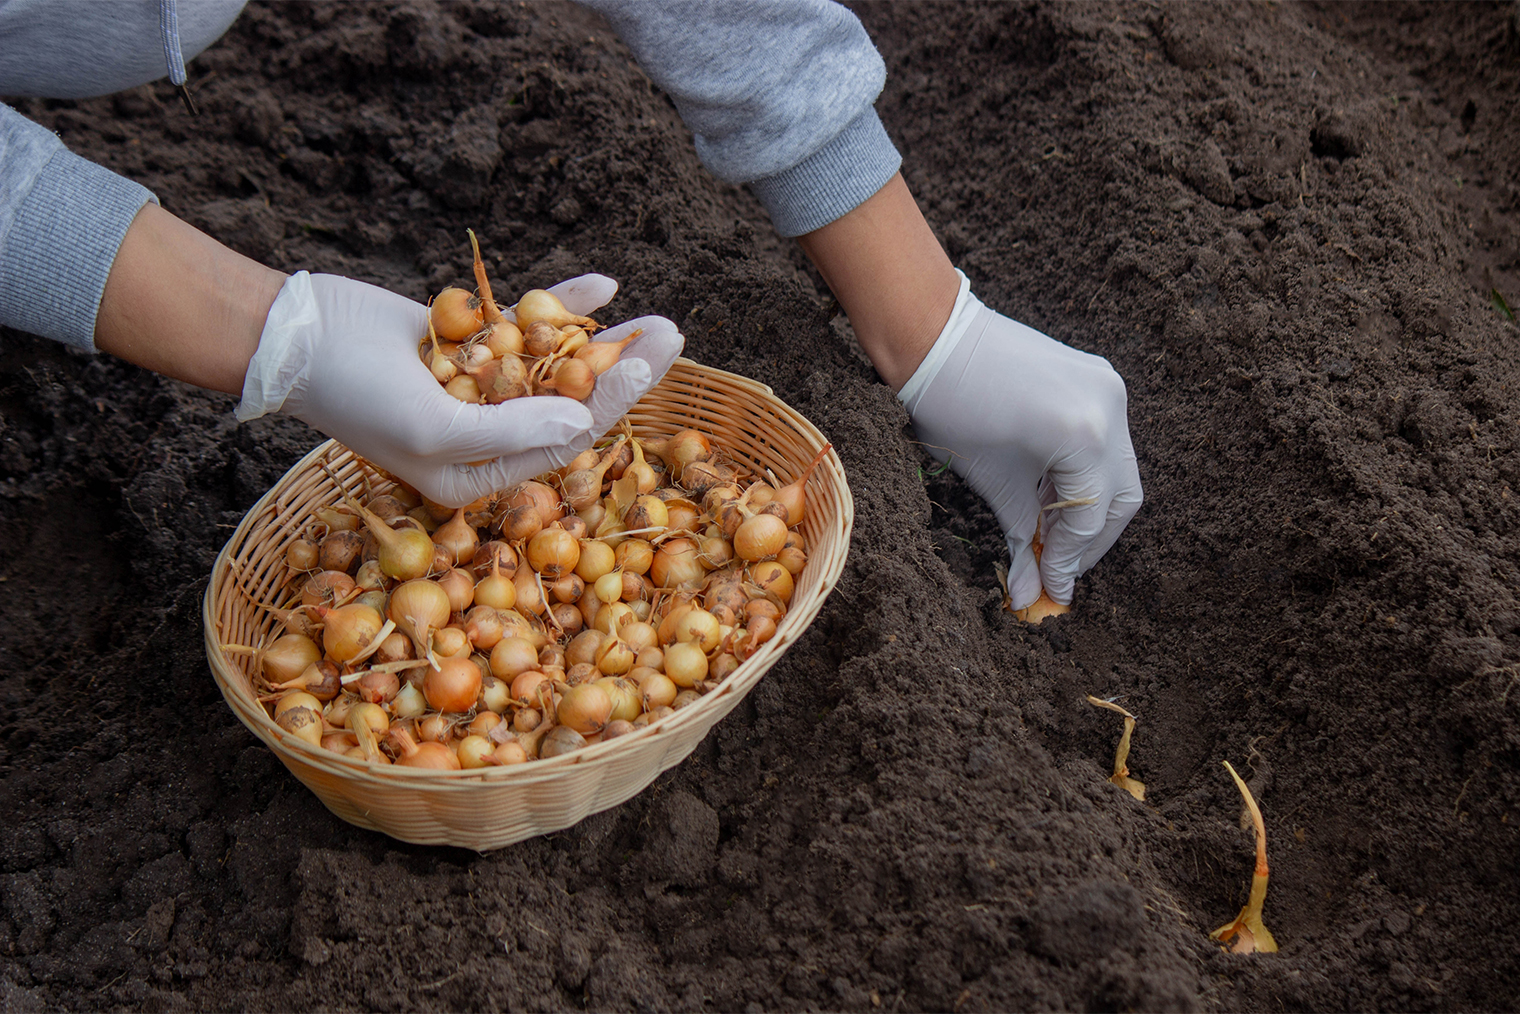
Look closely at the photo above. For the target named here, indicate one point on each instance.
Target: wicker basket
(492, 807)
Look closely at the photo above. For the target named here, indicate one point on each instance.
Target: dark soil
(1281, 223)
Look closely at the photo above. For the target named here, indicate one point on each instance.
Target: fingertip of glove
(1060, 565)
(633, 372)
(568, 411)
(1060, 589)
(586, 293)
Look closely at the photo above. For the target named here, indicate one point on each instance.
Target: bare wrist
(891, 276)
(181, 304)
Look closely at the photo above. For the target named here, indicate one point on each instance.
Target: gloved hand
(341, 356)
(1028, 421)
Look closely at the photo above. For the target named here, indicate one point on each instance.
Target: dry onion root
(481, 357)
(580, 606)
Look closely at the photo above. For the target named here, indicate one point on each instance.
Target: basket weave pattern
(496, 806)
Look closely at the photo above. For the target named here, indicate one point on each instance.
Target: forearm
(181, 304)
(891, 276)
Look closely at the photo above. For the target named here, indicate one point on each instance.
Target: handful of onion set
(573, 608)
(481, 357)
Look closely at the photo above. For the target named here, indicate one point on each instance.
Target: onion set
(481, 357)
(584, 605)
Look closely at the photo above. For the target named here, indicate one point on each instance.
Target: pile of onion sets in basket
(480, 356)
(576, 607)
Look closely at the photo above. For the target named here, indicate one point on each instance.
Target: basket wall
(493, 807)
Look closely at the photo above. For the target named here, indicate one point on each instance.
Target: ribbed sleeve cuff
(835, 179)
(61, 247)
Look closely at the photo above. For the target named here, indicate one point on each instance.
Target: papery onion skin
(560, 740)
(618, 727)
(760, 537)
(303, 723)
(378, 687)
(494, 555)
(340, 551)
(348, 630)
(473, 751)
(326, 588)
(457, 536)
(553, 552)
(512, 656)
(685, 664)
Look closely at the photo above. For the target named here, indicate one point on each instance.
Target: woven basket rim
(231, 679)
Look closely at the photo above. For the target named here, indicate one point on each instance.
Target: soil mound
(1291, 228)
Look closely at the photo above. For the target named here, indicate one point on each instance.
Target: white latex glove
(341, 356)
(1028, 421)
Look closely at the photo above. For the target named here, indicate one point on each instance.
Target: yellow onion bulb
(553, 552)
(504, 339)
(496, 590)
(464, 388)
(760, 537)
(288, 657)
(459, 587)
(586, 708)
(457, 536)
(418, 608)
(455, 314)
(474, 750)
(774, 578)
(676, 565)
(541, 304)
(513, 656)
(453, 686)
(685, 664)
(348, 630)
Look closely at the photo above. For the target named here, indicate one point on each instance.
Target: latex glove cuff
(276, 364)
(961, 315)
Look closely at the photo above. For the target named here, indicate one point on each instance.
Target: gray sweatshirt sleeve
(778, 94)
(74, 49)
(62, 218)
(61, 221)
